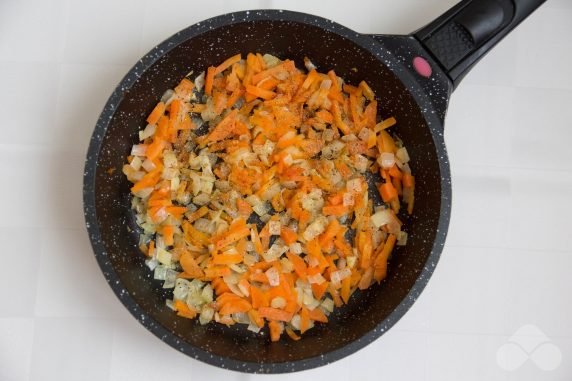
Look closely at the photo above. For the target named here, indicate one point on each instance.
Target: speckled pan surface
(419, 105)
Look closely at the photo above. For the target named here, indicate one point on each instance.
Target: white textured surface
(508, 255)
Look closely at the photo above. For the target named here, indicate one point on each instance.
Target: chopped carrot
(185, 89)
(304, 320)
(168, 231)
(385, 124)
(292, 334)
(317, 315)
(155, 148)
(226, 259)
(275, 314)
(184, 310)
(319, 290)
(234, 306)
(299, 265)
(189, 265)
(157, 112)
(388, 192)
(209, 80)
(149, 180)
(335, 210)
(259, 297)
(345, 291)
(275, 330)
(228, 63)
(288, 235)
(380, 266)
(258, 92)
(408, 180)
(295, 148)
(224, 128)
(244, 208)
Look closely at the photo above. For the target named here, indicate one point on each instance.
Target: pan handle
(460, 37)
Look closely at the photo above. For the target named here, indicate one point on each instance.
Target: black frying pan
(413, 77)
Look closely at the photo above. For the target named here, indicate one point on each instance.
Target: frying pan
(413, 77)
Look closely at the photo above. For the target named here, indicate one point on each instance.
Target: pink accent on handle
(422, 67)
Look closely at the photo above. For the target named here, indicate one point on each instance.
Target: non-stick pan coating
(354, 57)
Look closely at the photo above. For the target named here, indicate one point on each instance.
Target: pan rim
(89, 196)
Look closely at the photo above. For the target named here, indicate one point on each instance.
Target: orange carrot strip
(292, 334)
(319, 290)
(304, 320)
(288, 235)
(275, 330)
(155, 149)
(275, 314)
(386, 123)
(168, 231)
(226, 259)
(345, 291)
(227, 63)
(157, 112)
(387, 191)
(335, 210)
(318, 315)
(224, 128)
(257, 92)
(184, 310)
(185, 89)
(209, 80)
(258, 297)
(234, 306)
(408, 180)
(380, 266)
(189, 265)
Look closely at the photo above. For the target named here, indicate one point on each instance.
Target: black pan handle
(460, 37)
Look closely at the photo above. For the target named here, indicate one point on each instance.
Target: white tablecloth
(505, 268)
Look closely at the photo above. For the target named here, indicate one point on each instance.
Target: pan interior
(285, 39)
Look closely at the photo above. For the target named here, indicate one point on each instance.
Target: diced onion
(274, 227)
(402, 238)
(278, 302)
(348, 199)
(354, 185)
(316, 278)
(296, 248)
(402, 155)
(351, 261)
(383, 217)
(136, 163)
(164, 257)
(151, 263)
(148, 165)
(271, 60)
(200, 81)
(181, 289)
(328, 305)
(147, 132)
(309, 64)
(207, 294)
(386, 160)
(275, 251)
(168, 97)
(273, 276)
(337, 276)
(159, 273)
(315, 228)
(139, 149)
(206, 315)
